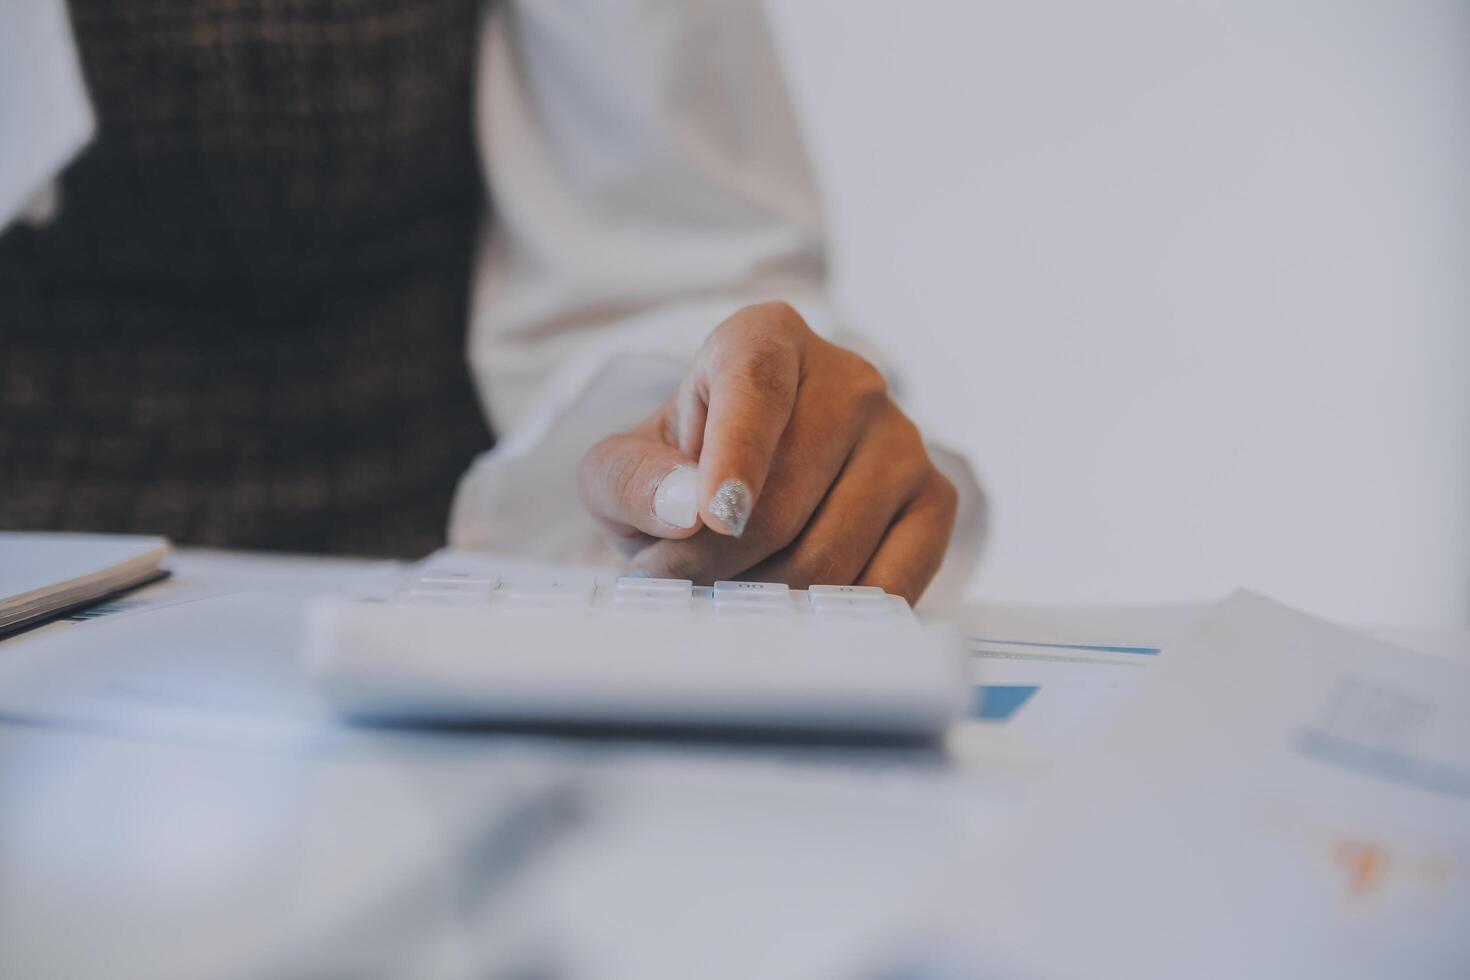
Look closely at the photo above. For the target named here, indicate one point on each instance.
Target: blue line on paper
(998, 702)
(1098, 648)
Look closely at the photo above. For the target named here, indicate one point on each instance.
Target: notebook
(45, 573)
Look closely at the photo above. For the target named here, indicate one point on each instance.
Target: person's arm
(648, 180)
(45, 116)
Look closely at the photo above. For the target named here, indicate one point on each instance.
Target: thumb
(637, 484)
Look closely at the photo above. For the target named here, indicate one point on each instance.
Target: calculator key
(665, 596)
(652, 600)
(747, 593)
(819, 594)
(751, 588)
(830, 603)
(464, 576)
(751, 602)
(634, 584)
(444, 593)
(571, 589)
(779, 603)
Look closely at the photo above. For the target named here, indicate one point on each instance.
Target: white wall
(1187, 280)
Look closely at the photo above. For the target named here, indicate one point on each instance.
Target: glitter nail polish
(730, 505)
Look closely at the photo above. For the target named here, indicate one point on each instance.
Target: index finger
(750, 384)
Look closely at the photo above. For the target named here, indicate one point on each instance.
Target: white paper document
(1049, 682)
(1284, 797)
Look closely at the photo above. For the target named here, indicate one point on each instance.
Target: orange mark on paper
(1365, 865)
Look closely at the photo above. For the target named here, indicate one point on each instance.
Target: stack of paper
(42, 574)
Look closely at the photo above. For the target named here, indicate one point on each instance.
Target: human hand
(781, 458)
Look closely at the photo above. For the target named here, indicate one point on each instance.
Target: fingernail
(675, 502)
(731, 506)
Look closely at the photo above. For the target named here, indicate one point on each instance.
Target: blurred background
(1190, 282)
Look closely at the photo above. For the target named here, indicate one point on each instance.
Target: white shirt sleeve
(647, 179)
(45, 116)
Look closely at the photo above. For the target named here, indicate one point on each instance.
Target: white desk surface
(168, 816)
(149, 830)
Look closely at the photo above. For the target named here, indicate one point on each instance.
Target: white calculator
(462, 641)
